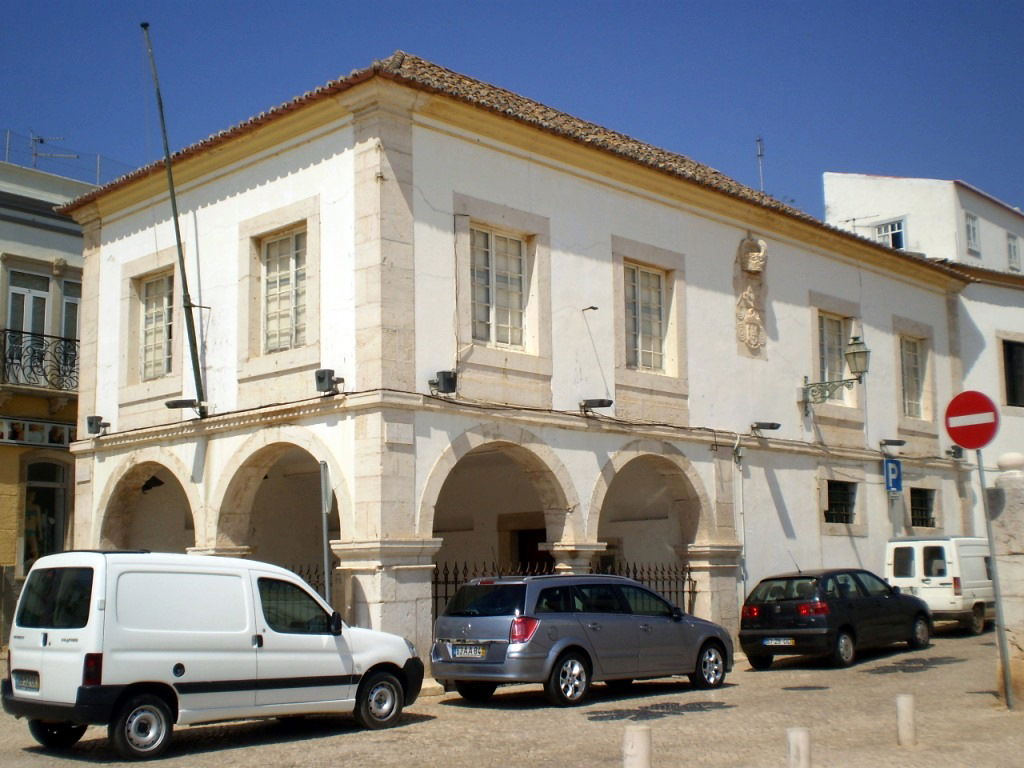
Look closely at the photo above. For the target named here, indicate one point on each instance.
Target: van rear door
(53, 630)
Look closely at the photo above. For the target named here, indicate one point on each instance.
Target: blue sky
(908, 88)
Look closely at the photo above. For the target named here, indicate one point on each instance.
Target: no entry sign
(971, 420)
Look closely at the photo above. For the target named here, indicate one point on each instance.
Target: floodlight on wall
(586, 406)
(857, 358)
(326, 382)
(444, 383)
(956, 452)
(94, 425)
(890, 443)
(765, 426)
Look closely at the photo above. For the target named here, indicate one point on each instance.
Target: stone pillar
(573, 557)
(715, 568)
(1008, 542)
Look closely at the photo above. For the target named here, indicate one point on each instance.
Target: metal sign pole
(1004, 648)
(325, 508)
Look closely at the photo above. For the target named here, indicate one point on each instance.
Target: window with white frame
(890, 234)
(284, 291)
(912, 366)
(842, 498)
(973, 238)
(498, 267)
(645, 317)
(833, 332)
(1013, 252)
(157, 296)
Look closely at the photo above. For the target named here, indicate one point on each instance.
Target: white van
(953, 574)
(139, 641)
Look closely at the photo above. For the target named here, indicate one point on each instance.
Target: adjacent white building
(555, 344)
(956, 223)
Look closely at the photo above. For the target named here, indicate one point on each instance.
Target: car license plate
(25, 680)
(778, 641)
(468, 651)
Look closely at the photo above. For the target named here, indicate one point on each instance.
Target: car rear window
(487, 600)
(56, 598)
(773, 590)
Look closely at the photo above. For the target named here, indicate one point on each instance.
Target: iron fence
(673, 580)
(38, 360)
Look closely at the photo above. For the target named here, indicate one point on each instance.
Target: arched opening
(273, 508)
(650, 513)
(149, 510)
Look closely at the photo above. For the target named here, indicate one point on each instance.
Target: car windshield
(56, 598)
(487, 600)
(773, 590)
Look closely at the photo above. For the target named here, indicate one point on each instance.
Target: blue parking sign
(893, 471)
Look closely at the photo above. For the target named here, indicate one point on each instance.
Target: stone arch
(238, 482)
(550, 477)
(683, 479)
(114, 521)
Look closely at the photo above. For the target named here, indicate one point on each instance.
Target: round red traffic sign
(972, 420)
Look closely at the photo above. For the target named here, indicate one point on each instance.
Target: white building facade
(482, 272)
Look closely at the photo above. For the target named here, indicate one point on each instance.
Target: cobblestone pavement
(851, 714)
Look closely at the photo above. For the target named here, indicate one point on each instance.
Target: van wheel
(844, 649)
(55, 735)
(379, 701)
(976, 624)
(569, 680)
(472, 690)
(920, 633)
(142, 728)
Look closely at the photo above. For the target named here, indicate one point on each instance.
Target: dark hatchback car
(568, 631)
(829, 613)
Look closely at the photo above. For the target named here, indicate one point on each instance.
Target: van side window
(903, 562)
(56, 598)
(934, 561)
(290, 609)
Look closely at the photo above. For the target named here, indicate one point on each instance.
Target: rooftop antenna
(38, 141)
(186, 298)
(760, 160)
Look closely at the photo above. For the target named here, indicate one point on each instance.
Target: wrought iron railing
(38, 360)
(673, 580)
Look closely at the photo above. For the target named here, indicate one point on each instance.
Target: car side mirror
(895, 589)
(335, 623)
(677, 613)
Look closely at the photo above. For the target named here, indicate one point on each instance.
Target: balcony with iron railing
(38, 360)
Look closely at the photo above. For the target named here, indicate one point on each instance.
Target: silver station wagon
(567, 632)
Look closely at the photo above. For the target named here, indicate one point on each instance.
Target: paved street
(851, 714)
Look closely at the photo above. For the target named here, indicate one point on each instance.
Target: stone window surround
(905, 327)
(849, 474)
(853, 412)
(672, 380)
(926, 482)
(534, 359)
(133, 389)
(253, 363)
(58, 272)
(1001, 336)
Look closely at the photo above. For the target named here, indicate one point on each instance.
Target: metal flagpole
(186, 299)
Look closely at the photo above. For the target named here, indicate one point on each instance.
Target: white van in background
(953, 574)
(139, 641)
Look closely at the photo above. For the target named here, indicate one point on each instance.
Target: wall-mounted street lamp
(857, 358)
(586, 406)
(764, 426)
(195, 405)
(883, 444)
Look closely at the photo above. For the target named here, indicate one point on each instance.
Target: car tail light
(751, 611)
(956, 586)
(92, 669)
(523, 628)
(816, 608)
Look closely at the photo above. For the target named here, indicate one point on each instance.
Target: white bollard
(636, 747)
(799, 740)
(906, 730)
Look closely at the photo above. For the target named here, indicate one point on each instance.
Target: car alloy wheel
(710, 672)
(844, 649)
(569, 681)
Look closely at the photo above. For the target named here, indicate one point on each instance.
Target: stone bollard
(799, 740)
(1008, 549)
(636, 747)
(906, 728)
